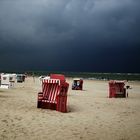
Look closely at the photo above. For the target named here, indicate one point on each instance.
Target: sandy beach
(91, 114)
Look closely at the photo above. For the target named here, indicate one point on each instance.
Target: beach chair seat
(48, 104)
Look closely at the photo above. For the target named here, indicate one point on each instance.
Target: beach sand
(91, 114)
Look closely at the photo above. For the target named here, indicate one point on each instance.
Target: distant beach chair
(54, 93)
(21, 78)
(117, 89)
(7, 80)
(77, 84)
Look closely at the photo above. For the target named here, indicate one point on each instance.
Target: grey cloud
(48, 21)
(87, 28)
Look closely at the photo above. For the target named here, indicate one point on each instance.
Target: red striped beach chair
(54, 93)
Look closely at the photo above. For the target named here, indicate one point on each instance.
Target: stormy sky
(70, 35)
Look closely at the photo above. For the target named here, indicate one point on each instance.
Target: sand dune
(91, 116)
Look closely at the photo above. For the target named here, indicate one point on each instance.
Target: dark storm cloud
(70, 34)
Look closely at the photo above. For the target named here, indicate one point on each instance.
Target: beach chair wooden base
(47, 105)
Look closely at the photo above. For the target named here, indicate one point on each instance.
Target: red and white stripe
(51, 81)
(50, 89)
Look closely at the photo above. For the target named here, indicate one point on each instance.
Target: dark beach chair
(117, 89)
(77, 84)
